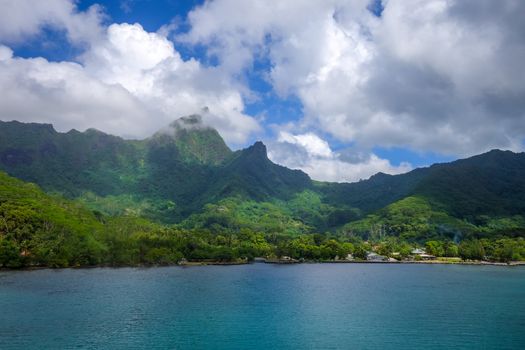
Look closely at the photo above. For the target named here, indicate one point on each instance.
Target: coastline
(276, 262)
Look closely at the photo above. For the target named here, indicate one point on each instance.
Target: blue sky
(340, 89)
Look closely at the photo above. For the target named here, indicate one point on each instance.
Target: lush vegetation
(183, 193)
(417, 219)
(37, 229)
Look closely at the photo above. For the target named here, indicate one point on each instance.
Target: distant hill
(492, 183)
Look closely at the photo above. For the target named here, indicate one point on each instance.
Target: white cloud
(128, 82)
(431, 75)
(62, 93)
(312, 143)
(311, 154)
(20, 19)
(147, 65)
(5, 53)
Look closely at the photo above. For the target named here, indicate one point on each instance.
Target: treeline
(132, 242)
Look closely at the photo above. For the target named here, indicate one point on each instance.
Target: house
(422, 254)
(427, 257)
(287, 260)
(373, 257)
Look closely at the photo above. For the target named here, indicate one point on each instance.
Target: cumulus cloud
(312, 154)
(312, 143)
(128, 81)
(62, 93)
(148, 66)
(431, 75)
(22, 18)
(441, 76)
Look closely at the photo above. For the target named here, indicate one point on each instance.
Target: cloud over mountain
(128, 82)
(438, 76)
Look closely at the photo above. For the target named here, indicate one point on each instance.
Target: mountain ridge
(187, 165)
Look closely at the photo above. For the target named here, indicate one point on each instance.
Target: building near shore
(421, 254)
(373, 257)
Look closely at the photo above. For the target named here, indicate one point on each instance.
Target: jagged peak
(195, 141)
(258, 149)
(259, 146)
(185, 126)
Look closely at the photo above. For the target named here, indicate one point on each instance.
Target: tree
(471, 250)
(9, 254)
(435, 248)
(360, 252)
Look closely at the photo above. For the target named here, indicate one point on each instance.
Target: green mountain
(488, 184)
(249, 173)
(186, 174)
(71, 162)
(195, 142)
(166, 177)
(100, 199)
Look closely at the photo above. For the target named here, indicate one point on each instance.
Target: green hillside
(490, 184)
(37, 229)
(45, 230)
(166, 177)
(186, 175)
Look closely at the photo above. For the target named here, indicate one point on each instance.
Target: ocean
(264, 306)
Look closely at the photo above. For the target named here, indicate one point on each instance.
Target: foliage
(183, 193)
(418, 219)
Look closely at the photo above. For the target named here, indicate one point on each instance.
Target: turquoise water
(308, 306)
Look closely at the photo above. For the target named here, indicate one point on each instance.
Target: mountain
(487, 184)
(173, 173)
(71, 162)
(101, 199)
(251, 174)
(195, 142)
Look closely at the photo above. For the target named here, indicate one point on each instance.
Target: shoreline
(431, 262)
(275, 262)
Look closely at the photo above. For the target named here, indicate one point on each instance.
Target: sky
(341, 89)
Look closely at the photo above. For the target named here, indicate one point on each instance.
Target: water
(310, 306)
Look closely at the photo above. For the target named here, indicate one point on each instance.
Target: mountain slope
(195, 141)
(250, 173)
(492, 183)
(488, 184)
(71, 162)
(183, 167)
(44, 230)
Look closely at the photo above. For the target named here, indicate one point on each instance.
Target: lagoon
(262, 306)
